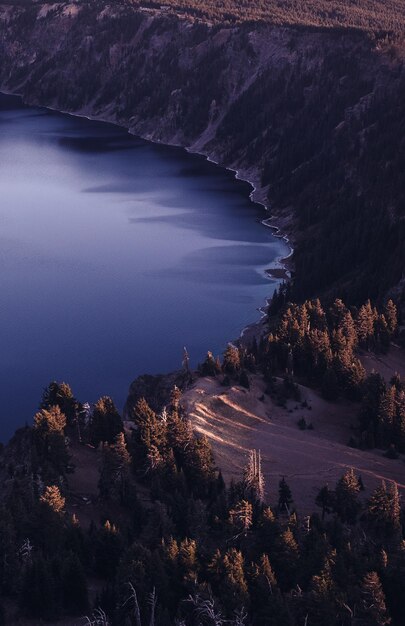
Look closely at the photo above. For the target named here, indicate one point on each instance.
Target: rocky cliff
(314, 118)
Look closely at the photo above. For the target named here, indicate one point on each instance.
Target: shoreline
(278, 272)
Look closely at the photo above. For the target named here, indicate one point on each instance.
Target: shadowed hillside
(313, 117)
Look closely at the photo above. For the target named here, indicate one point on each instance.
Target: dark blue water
(114, 254)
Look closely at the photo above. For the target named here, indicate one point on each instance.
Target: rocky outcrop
(313, 118)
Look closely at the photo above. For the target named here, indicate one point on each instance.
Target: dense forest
(316, 115)
(370, 15)
(366, 14)
(170, 542)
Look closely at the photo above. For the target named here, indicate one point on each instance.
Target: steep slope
(314, 118)
(236, 421)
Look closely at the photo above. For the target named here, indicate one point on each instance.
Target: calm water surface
(114, 254)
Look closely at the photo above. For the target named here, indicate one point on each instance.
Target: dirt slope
(236, 421)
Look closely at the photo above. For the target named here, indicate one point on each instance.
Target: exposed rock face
(313, 118)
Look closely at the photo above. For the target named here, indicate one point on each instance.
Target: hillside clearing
(236, 421)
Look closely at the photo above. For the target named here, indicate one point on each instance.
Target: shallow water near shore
(114, 254)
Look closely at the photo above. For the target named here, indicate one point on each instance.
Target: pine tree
(50, 443)
(179, 436)
(399, 422)
(386, 413)
(325, 500)
(391, 316)
(347, 504)
(107, 550)
(371, 413)
(61, 395)
(188, 562)
(200, 466)
(384, 511)
(175, 399)
(266, 571)
(373, 609)
(53, 499)
(231, 363)
(234, 586)
(241, 516)
(323, 598)
(267, 605)
(211, 366)
(106, 422)
(49, 421)
(381, 334)
(284, 496)
(149, 439)
(115, 463)
(365, 324)
(286, 558)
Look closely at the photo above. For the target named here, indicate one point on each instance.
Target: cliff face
(313, 118)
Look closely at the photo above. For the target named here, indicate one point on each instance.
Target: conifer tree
(241, 517)
(323, 598)
(149, 440)
(325, 500)
(391, 316)
(286, 555)
(48, 421)
(114, 471)
(284, 496)
(347, 504)
(200, 465)
(211, 366)
(106, 422)
(61, 395)
(231, 363)
(179, 436)
(108, 548)
(268, 530)
(372, 608)
(49, 437)
(267, 603)
(53, 499)
(365, 324)
(188, 561)
(384, 511)
(235, 590)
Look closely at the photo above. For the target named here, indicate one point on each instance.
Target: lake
(114, 254)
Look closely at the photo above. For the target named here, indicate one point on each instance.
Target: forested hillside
(365, 14)
(132, 522)
(109, 522)
(370, 15)
(313, 117)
